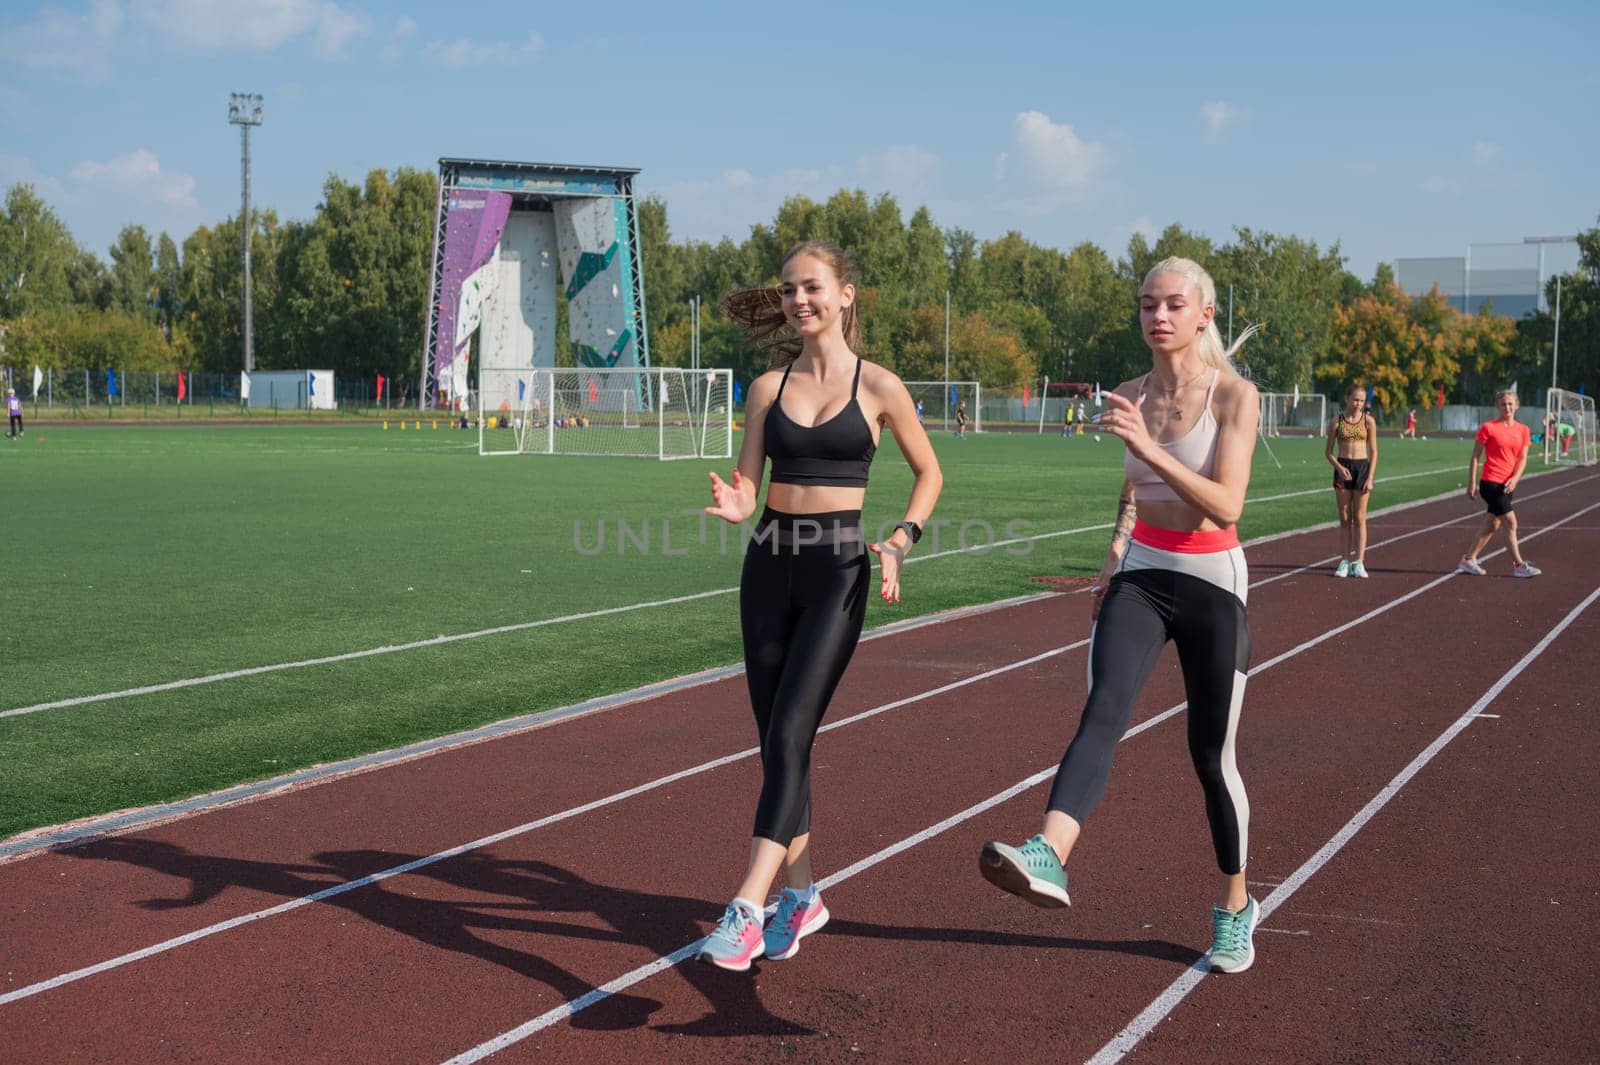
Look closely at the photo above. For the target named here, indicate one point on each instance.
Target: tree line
(347, 290)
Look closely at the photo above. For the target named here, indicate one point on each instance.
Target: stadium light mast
(244, 111)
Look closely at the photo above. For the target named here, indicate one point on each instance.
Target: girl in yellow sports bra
(1353, 452)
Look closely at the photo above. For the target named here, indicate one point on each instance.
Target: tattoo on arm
(1124, 525)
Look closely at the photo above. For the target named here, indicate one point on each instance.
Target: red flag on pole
(1441, 395)
(1027, 396)
(182, 388)
(594, 391)
(380, 388)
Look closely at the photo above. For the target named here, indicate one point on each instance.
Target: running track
(1419, 752)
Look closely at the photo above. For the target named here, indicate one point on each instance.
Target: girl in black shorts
(1353, 452)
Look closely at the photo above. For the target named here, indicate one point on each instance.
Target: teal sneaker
(1358, 569)
(1343, 568)
(796, 917)
(1233, 948)
(1030, 871)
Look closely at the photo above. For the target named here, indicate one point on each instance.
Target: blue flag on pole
(311, 383)
(1369, 397)
(738, 393)
(111, 383)
(522, 389)
(953, 394)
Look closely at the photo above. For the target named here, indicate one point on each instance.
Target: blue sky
(1396, 130)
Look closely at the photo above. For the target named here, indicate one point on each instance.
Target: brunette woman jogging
(803, 594)
(1174, 572)
(1353, 452)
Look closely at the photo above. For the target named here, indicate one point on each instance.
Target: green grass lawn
(141, 555)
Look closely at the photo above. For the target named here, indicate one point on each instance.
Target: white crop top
(1196, 449)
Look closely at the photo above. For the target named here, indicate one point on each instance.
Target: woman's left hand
(1125, 421)
(891, 558)
(1366, 485)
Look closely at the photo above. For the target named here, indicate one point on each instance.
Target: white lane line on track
(518, 830)
(1168, 1000)
(600, 994)
(522, 626)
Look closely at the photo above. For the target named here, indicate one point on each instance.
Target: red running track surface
(1458, 924)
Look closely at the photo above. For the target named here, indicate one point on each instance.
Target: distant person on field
(1081, 418)
(1411, 425)
(14, 412)
(1502, 445)
(919, 412)
(1069, 419)
(1353, 451)
(808, 572)
(961, 420)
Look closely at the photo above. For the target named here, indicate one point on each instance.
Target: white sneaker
(1526, 569)
(1343, 568)
(1470, 565)
(1358, 569)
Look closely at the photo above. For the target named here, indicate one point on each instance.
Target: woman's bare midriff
(813, 498)
(1172, 514)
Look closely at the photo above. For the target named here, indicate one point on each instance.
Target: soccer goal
(939, 401)
(1294, 413)
(1569, 428)
(660, 412)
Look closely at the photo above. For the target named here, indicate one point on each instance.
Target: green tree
(37, 255)
(134, 286)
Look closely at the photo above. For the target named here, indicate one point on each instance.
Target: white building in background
(1511, 278)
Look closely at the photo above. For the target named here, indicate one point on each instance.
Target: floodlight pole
(1555, 353)
(244, 111)
(947, 358)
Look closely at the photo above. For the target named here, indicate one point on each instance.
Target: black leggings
(16, 425)
(801, 606)
(1143, 609)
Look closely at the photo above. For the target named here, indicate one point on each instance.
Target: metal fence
(83, 390)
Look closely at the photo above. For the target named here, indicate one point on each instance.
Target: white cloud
(254, 25)
(1056, 157)
(399, 37)
(64, 43)
(137, 179)
(1485, 152)
(1142, 226)
(729, 204)
(466, 53)
(905, 170)
(1219, 118)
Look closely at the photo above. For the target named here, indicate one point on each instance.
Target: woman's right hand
(1472, 489)
(1340, 471)
(727, 500)
(1097, 593)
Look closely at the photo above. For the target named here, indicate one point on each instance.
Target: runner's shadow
(1159, 949)
(478, 905)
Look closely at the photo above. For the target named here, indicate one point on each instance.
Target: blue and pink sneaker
(736, 941)
(799, 914)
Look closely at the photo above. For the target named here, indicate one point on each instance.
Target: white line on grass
(340, 889)
(567, 1009)
(1168, 1000)
(500, 630)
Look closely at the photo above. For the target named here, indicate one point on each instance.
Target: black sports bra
(838, 452)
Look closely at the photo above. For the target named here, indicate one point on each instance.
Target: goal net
(659, 412)
(1292, 414)
(1569, 428)
(939, 401)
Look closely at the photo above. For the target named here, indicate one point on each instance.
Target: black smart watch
(912, 529)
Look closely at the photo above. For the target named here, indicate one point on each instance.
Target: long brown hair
(760, 310)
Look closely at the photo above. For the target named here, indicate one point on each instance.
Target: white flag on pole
(244, 387)
(1097, 394)
(1296, 396)
(38, 379)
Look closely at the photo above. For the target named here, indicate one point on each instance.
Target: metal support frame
(529, 184)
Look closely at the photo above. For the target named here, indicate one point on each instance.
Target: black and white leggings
(802, 601)
(1196, 600)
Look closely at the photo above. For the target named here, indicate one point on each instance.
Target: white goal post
(648, 412)
(1298, 414)
(940, 399)
(1569, 428)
